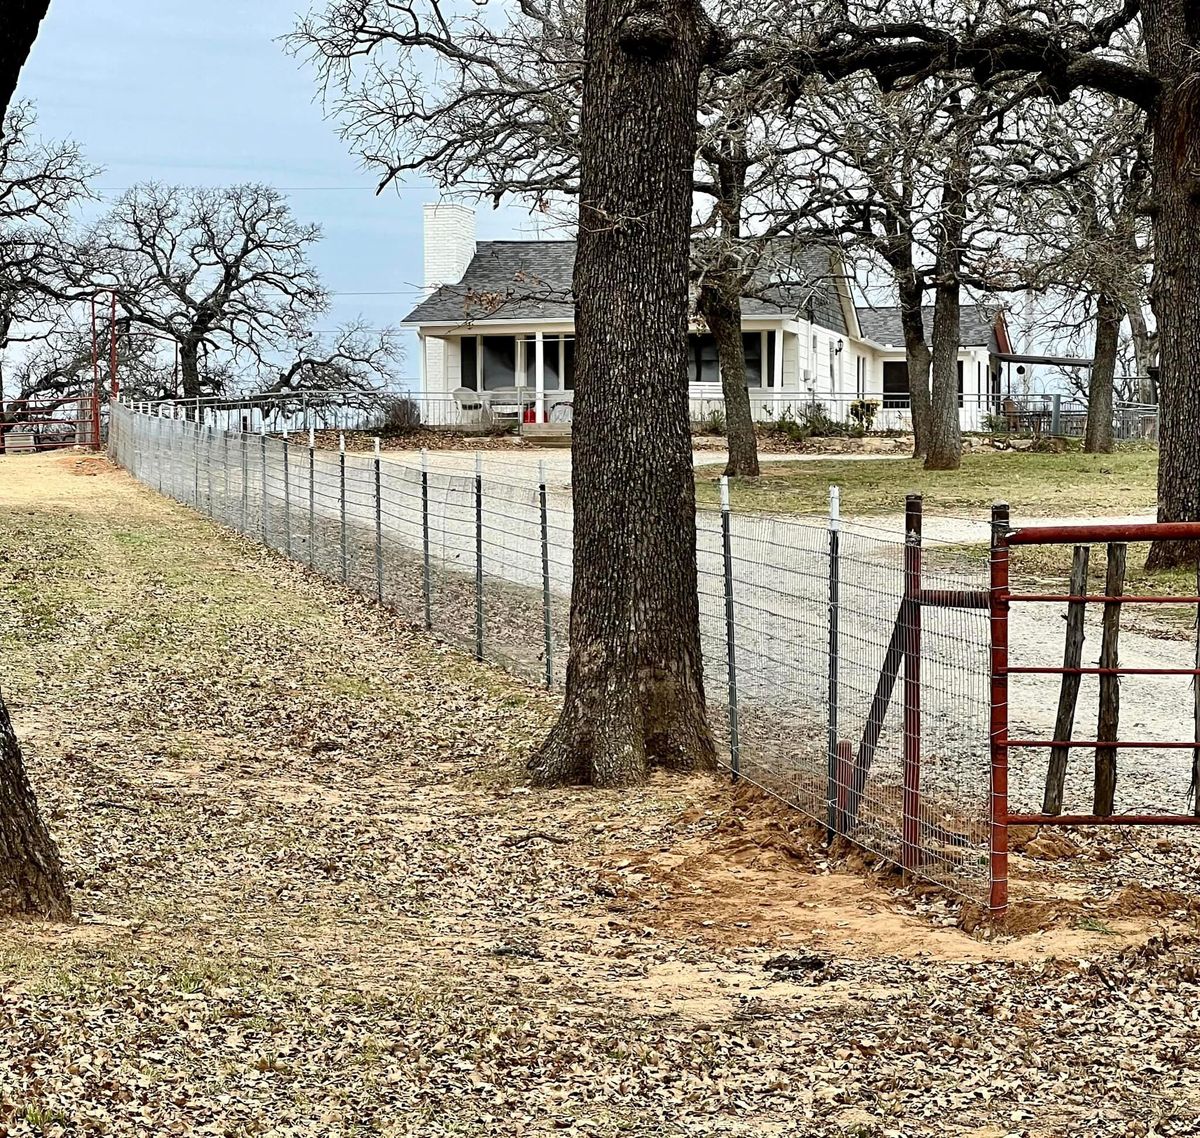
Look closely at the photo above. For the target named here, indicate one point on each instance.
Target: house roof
(977, 325)
(531, 280)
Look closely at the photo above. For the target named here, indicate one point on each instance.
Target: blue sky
(200, 92)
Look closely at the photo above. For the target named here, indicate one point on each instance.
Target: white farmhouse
(496, 337)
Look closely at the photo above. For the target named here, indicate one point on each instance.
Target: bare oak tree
(222, 269)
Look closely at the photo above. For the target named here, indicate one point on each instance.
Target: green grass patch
(1035, 485)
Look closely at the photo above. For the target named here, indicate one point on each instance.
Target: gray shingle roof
(977, 327)
(531, 280)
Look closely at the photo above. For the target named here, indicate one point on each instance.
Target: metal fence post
(546, 625)
(378, 530)
(208, 460)
(833, 823)
(245, 480)
(225, 471)
(735, 747)
(287, 497)
(196, 464)
(342, 504)
(312, 497)
(478, 556)
(262, 455)
(998, 605)
(426, 578)
(911, 835)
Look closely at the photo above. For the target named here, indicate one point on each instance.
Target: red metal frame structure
(42, 419)
(1001, 598)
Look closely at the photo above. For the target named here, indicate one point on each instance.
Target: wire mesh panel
(842, 673)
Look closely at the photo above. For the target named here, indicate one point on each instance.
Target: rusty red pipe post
(911, 833)
(114, 387)
(998, 625)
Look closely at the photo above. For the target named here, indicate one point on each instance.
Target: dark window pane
(550, 367)
(499, 362)
(568, 375)
(752, 349)
(960, 383)
(895, 383)
(707, 369)
(470, 365)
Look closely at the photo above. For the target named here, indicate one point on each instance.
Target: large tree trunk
(1098, 435)
(917, 360)
(1172, 30)
(635, 690)
(1143, 353)
(31, 877)
(189, 367)
(18, 30)
(720, 304)
(944, 451)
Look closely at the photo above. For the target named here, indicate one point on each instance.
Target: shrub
(713, 422)
(812, 421)
(862, 411)
(400, 416)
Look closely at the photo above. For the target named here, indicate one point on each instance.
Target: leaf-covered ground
(314, 898)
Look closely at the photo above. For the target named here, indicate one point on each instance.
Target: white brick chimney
(449, 243)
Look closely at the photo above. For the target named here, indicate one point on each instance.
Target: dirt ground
(314, 897)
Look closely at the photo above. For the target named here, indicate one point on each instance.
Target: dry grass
(315, 899)
(1035, 485)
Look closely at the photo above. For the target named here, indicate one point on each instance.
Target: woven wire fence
(836, 676)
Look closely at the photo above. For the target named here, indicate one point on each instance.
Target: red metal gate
(1001, 600)
(31, 425)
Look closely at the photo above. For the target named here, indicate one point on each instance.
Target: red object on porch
(529, 415)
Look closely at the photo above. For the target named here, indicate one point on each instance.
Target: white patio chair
(473, 408)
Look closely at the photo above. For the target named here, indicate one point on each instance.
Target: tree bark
(1143, 352)
(22, 18)
(634, 692)
(31, 877)
(1172, 31)
(944, 451)
(719, 302)
(917, 359)
(1098, 434)
(189, 367)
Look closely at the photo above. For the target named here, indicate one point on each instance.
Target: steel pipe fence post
(735, 746)
(245, 481)
(833, 823)
(208, 451)
(911, 834)
(378, 530)
(225, 471)
(478, 556)
(342, 504)
(158, 450)
(998, 606)
(547, 633)
(195, 432)
(287, 497)
(426, 578)
(312, 497)
(262, 458)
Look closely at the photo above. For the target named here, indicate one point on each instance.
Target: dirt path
(315, 899)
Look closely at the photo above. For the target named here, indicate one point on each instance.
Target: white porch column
(421, 346)
(539, 376)
(777, 367)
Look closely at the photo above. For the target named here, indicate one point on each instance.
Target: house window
(470, 361)
(752, 349)
(860, 376)
(895, 384)
(568, 363)
(499, 362)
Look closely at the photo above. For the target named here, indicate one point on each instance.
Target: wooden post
(1068, 696)
(1194, 790)
(1104, 791)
